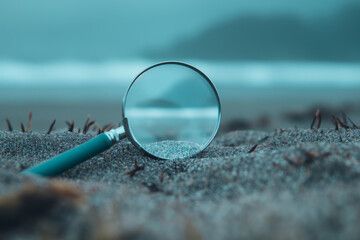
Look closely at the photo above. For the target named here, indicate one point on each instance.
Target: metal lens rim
(126, 123)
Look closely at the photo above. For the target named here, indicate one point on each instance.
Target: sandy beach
(296, 184)
(242, 107)
(266, 175)
(222, 120)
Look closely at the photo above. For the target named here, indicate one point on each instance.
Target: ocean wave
(254, 74)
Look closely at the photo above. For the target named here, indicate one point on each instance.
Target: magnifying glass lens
(172, 110)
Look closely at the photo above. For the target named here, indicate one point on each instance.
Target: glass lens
(172, 110)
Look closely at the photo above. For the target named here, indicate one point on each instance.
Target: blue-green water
(72, 90)
(68, 81)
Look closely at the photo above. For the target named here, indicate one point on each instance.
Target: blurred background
(274, 63)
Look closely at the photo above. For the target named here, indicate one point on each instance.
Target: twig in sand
(96, 127)
(86, 124)
(70, 125)
(344, 117)
(319, 122)
(22, 127)
(137, 168)
(335, 122)
(253, 148)
(8, 125)
(51, 127)
(89, 125)
(317, 118)
(106, 128)
(343, 125)
(354, 125)
(257, 144)
(29, 122)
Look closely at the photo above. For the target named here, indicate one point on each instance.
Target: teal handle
(60, 163)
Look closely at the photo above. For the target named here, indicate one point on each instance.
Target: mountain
(333, 38)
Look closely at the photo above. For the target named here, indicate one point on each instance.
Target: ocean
(71, 90)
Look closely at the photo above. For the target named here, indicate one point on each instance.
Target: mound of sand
(296, 184)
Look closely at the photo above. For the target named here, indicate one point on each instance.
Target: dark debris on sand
(296, 184)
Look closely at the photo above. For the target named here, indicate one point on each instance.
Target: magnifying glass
(170, 111)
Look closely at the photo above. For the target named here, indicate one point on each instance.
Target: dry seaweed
(70, 125)
(335, 122)
(86, 124)
(22, 127)
(51, 127)
(342, 124)
(257, 144)
(137, 168)
(8, 125)
(317, 118)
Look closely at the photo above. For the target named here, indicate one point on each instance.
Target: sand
(298, 184)
(170, 150)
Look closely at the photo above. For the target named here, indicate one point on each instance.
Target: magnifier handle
(60, 163)
(71, 158)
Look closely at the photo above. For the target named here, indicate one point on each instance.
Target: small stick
(107, 127)
(344, 117)
(258, 143)
(335, 122)
(354, 125)
(317, 118)
(89, 125)
(96, 127)
(253, 148)
(313, 122)
(29, 122)
(70, 125)
(86, 124)
(22, 127)
(137, 168)
(51, 127)
(342, 124)
(319, 121)
(8, 125)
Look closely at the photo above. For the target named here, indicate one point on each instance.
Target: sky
(101, 30)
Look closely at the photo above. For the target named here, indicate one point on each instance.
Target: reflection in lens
(173, 111)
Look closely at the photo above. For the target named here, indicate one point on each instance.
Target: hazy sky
(68, 28)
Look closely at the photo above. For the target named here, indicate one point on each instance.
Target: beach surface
(296, 184)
